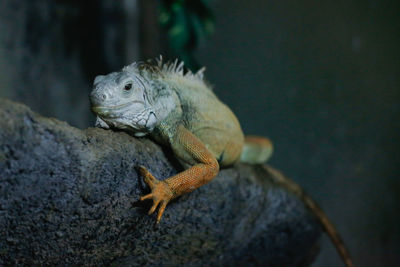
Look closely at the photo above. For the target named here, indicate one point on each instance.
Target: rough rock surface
(69, 197)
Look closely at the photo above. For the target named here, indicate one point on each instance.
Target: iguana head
(122, 100)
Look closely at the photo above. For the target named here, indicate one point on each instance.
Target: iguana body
(180, 111)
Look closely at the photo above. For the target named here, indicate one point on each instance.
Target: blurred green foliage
(187, 23)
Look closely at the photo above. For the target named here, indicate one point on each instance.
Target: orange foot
(161, 193)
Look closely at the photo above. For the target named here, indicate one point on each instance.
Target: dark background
(320, 78)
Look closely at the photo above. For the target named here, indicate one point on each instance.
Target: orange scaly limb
(205, 168)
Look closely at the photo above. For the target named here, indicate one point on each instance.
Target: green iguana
(180, 110)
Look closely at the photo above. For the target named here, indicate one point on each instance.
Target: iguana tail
(256, 150)
(317, 211)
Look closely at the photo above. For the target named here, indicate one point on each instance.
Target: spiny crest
(168, 68)
(177, 68)
(131, 67)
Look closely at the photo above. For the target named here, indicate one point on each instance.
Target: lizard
(178, 109)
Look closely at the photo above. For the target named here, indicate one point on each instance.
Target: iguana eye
(128, 87)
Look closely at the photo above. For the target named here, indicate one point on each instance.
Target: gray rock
(70, 197)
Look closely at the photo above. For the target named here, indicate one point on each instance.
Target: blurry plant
(187, 23)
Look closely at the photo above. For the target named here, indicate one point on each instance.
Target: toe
(161, 211)
(154, 207)
(148, 196)
(150, 180)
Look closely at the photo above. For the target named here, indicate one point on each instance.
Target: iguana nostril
(97, 98)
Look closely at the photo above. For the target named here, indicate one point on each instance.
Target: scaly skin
(180, 111)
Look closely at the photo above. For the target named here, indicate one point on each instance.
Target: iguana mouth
(102, 109)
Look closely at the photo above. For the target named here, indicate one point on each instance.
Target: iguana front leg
(188, 148)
